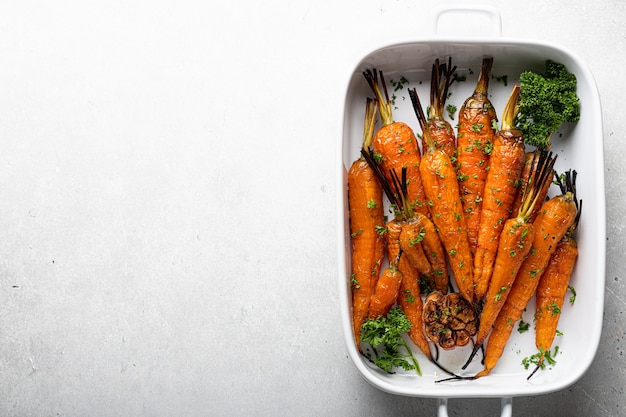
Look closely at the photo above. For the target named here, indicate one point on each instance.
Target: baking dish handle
(453, 20)
(506, 407)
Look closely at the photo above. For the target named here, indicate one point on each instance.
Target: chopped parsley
(536, 359)
(523, 326)
(573, 291)
(451, 109)
(384, 335)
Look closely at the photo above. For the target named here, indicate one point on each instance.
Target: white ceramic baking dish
(580, 147)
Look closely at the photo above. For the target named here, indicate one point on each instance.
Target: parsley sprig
(540, 359)
(384, 335)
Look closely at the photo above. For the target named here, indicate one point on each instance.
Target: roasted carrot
(441, 130)
(551, 224)
(419, 239)
(409, 297)
(505, 168)
(554, 282)
(365, 199)
(387, 290)
(395, 145)
(476, 133)
(411, 303)
(411, 238)
(420, 231)
(441, 188)
(515, 242)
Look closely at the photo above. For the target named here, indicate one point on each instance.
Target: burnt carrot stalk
(476, 133)
(505, 168)
(528, 165)
(395, 144)
(441, 130)
(551, 224)
(365, 199)
(554, 283)
(442, 192)
(514, 245)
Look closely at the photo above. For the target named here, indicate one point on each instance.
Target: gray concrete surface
(167, 209)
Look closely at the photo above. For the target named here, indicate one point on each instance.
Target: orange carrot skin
(387, 290)
(443, 136)
(365, 198)
(442, 191)
(386, 293)
(551, 224)
(526, 170)
(551, 291)
(424, 229)
(412, 249)
(514, 245)
(410, 301)
(397, 146)
(474, 140)
(506, 164)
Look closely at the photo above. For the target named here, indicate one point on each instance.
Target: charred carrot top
(440, 129)
(551, 224)
(395, 144)
(514, 245)
(506, 163)
(524, 183)
(554, 282)
(476, 133)
(365, 199)
(442, 191)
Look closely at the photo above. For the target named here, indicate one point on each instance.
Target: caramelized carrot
(551, 224)
(365, 199)
(421, 230)
(411, 237)
(477, 129)
(553, 284)
(395, 145)
(387, 290)
(505, 168)
(441, 130)
(514, 245)
(410, 301)
(442, 192)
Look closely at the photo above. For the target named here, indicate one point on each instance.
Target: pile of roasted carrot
(473, 234)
